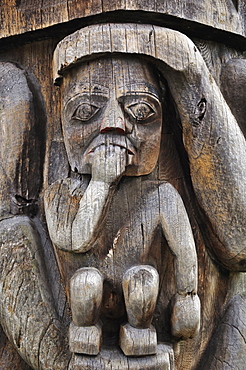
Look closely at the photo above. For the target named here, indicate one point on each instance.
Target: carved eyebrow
(99, 89)
(140, 88)
(83, 95)
(87, 89)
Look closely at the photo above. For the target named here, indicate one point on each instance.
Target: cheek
(79, 134)
(148, 135)
(149, 152)
(148, 139)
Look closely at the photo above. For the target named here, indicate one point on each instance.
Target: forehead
(122, 74)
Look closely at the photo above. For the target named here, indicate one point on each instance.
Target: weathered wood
(138, 342)
(85, 296)
(85, 339)
(179, 208)
(233, 87)
(10, 359)
(28, 315)
(86, 288)
(114, 359)
(185, 315)
(23, 16)
(20, 137)
(206, 143)
(107, 39)
(228, 335)
(140, 288)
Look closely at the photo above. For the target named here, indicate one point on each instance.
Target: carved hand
(185, 317)
(78, 232)
(108, 163)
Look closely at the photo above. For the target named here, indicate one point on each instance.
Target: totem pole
(122, 189)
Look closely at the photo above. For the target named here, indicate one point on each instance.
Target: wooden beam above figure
(220, 20)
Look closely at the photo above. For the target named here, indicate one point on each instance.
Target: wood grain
(23, 16)
(114, 359)
(205, 215)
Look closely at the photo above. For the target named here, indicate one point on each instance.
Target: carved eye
(85, 112)
(140, 111)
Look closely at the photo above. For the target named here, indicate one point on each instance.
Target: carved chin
(140, 169)
(142, 164)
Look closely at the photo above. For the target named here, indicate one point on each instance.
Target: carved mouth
(107, 140)
(113, 144)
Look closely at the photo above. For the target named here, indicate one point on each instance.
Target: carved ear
(21, 134)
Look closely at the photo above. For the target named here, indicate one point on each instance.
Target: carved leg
(85, 333)
(140, 287)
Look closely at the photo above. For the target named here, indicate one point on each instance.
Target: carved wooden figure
(140, 240)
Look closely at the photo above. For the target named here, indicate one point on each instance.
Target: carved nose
(113, 119)
(113, 125)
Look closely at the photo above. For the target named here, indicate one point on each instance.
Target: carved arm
(76, 228)
(172, 217)
(214, 143)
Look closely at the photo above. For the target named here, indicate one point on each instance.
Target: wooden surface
(114, 359)
(206, 140)
(19, 17)
(185, 217)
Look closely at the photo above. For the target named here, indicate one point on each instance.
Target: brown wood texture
(19, 17)
(114, 359)
(178, 206)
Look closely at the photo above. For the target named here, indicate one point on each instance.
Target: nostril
(117, 130)
(120, 131)
(106, 129)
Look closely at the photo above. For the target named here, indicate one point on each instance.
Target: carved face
(112, 102)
